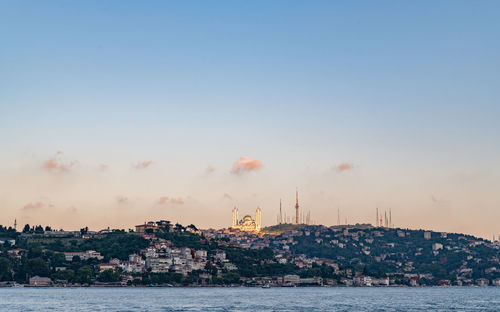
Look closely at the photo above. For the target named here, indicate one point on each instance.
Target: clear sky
(118, 112)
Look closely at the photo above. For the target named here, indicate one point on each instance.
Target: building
(150, 226)
(11, 242)
(84, 255)
(16, 253)
(297, 206)
(40, 281)
(106, 266)
(202, 254)
(247, 224)
(159, 265)
(220, 255)
(427, 235)
(437, 246)
(363, 281)
(291, 279)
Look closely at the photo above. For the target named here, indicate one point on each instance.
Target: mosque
(247, 224)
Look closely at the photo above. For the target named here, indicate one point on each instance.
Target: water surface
(251, 299)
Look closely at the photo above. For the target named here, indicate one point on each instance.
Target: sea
(251, 299)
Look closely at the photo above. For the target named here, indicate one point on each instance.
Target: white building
(437, 246)
(202, 254)
(220, 255)
(247, 223)
(427, 235)
(84, 255)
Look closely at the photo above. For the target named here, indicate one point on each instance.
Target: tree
(84, 230)
(39, 229)
(57, 259)
(66, 275)
(37, 266)
(48, 228)
(35, 251)
(84, 274)
(178, 227)
(109, 276)
(4, 269)
(26, 228)
(231, 278)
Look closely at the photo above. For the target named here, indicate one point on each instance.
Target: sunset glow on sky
(116, 113)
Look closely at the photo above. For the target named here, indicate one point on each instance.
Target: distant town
(160, 253)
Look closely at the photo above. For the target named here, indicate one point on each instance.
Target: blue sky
(404, 92)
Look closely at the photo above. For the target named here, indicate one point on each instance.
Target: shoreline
(238, 286)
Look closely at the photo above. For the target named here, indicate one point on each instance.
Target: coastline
(239, 286)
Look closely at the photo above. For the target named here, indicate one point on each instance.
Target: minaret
(232, 217)
(297, 205)
(15, 225)
(235, 216)
(281, 216)
(258, 218)
(338, 216)
(390, 218)
(376, 219)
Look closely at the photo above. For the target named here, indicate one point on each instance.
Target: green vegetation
(363, 250)
(114, 245)
(4, 269)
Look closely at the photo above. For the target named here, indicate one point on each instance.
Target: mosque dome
(247, 218)
(248, 223)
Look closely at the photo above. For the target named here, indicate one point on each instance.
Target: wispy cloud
(163, 200)
(245, 164)
(55, 164)
(143, 164)
(177, 201)
(439, 201)
(122, 199)
(209, 170)
(344, 167)
(103, 167)
(166, 200)
(227, 196)
(34, 206)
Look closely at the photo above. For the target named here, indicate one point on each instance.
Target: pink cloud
(55, 164)
(177, 201)
(245, 164)
(143, 164)
(344, 167)
(165, 200)
(34, 206)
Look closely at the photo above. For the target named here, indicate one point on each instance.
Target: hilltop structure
(247, 224)
(297, 205)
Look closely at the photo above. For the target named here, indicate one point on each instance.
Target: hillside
(281, 255)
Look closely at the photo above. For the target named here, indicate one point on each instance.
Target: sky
(113, 113)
